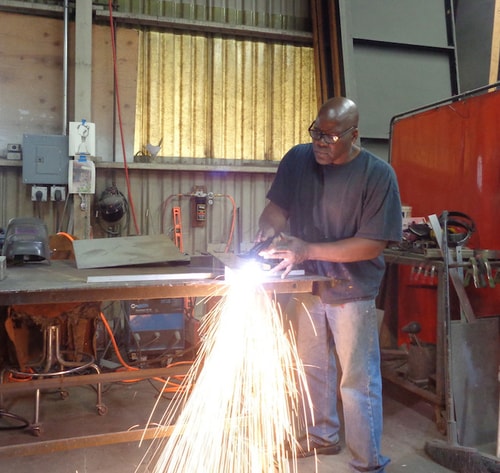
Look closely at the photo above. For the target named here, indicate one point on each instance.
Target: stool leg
(36, 427)
(63, 363)
(102, 409)
(50, 334)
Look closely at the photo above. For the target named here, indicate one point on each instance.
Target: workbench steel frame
(393, 259)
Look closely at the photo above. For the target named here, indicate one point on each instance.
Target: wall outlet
(57, 193)
(39, 193)
(14, 151)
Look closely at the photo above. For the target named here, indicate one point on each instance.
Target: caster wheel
(102, 410)
(36, 430)
(63, 394)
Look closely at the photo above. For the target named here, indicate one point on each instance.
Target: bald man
(333, 207)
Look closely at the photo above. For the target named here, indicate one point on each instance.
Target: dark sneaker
(305, 449)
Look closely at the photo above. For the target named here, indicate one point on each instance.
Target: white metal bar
(149, 277)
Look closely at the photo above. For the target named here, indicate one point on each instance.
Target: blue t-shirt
(333, 202)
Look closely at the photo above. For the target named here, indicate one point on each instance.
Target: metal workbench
(61, 282)
(435, 394)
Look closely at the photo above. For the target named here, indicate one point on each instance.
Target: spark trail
(241, 398)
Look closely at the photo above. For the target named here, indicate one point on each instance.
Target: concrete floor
(71, 426)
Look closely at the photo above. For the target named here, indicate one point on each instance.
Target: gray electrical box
(45, 159)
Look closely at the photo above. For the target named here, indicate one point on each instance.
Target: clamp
(485, 270)
(474, 270)
(482, 273)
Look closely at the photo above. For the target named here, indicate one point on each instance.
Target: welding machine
(156, 327)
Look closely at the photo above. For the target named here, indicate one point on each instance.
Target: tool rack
(429, 263)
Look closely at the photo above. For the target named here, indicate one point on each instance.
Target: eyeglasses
(325, 137)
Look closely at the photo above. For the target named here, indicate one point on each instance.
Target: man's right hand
(272, 222)
(264, 234)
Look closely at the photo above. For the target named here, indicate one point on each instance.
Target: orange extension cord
(119, 113)
(67, 235)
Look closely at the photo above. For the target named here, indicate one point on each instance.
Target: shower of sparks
(238, 409)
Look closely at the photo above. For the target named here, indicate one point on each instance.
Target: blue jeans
(349, 331)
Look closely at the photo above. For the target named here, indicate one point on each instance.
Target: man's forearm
(272, 221)
(346, 251)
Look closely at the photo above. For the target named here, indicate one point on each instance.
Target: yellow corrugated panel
(213, 97)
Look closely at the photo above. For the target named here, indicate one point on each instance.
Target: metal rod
(451, 99)
(87, 379)
(452, 435)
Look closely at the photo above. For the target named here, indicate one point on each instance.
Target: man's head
(334, 131)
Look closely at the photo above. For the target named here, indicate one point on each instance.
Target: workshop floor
(70, 424)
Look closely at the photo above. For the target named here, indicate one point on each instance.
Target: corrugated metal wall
(290, 15)
(276, 14)
(156, 191)
(212, 97)
(226, 99)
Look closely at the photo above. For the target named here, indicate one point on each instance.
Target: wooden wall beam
(327, 49)
(83, 100)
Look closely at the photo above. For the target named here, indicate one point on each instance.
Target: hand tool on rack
(485, 270)
(413, 329)
(477, 276)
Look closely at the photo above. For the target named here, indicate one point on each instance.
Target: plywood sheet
(126, 251)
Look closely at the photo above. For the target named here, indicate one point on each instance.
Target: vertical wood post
(83, 97)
